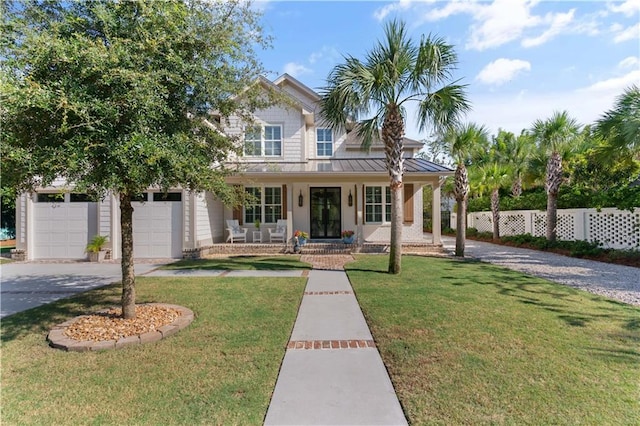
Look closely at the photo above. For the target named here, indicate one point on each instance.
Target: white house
(316, 178)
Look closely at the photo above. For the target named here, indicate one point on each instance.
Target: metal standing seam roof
(340, 165)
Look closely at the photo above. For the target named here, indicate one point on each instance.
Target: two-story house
(297, 168)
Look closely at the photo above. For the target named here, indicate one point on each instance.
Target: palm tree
(620, 126)
(495, 176)
(461, 141)
(555, 135)
(514, 151)
(395, 72)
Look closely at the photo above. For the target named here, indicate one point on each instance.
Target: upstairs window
(263, 141)
(324, 142)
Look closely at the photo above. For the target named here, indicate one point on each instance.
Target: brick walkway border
(59, 340)
(334, 262)
(330, 344)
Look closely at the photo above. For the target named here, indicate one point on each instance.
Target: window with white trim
(263, 141)
(377, 202)
(253, 212)
(267, 207)
(324, 142)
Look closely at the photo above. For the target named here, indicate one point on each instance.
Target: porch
(320, 247)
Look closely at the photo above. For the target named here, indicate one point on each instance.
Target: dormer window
(263, 141)
(324, 142)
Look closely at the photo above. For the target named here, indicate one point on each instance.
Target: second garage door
(157, 226)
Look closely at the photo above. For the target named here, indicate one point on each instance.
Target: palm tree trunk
(128, 274)
(461, 191)
(552, 185)
(495, 210)
(392, 134)
(516, 188)
(461, 226)
(395, 252)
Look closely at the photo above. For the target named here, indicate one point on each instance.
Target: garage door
(157, 226)
(62, 229)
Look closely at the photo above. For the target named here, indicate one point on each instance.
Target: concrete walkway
(332, 373)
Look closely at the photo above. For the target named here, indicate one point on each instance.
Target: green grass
(242, 262)
(221, 369)
(472, 343)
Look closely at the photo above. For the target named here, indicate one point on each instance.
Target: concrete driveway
(27, 285)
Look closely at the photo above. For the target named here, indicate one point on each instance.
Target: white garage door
(62, 229)
(157, 228)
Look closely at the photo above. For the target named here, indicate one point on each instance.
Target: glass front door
(325, 213)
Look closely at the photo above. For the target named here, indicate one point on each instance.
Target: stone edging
(59, 340)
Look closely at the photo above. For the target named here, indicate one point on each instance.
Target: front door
(325, 213)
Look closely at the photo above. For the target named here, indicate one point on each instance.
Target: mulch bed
(110, 325)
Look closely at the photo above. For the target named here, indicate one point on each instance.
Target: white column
(115, 226)
(290, 202)
(360, 213)
(29, 210)
(436, 217)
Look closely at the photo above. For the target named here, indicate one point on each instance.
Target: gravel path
(614, 281)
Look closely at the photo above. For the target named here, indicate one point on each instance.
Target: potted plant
(348, 236)
(257, 224)
(95, 249)
(301, 236)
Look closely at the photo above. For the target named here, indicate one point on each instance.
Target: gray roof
(341, 165)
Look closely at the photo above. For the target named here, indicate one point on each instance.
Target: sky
(521, 59)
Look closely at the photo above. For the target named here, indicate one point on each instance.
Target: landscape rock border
(57, 339)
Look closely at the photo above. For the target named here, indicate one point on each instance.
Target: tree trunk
(128, 274)
(392, 134)
(495, 210)
(461, 191)
(461, 226)
(552, 185)
(516, 188)
(397, 206)
(552, 215)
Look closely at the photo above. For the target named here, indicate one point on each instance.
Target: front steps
(329, 248)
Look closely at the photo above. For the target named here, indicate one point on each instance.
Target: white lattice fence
(611, 227)
(614, 229)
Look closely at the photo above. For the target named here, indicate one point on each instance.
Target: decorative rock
(58, 339)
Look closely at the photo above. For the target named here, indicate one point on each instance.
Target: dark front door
(325, 213)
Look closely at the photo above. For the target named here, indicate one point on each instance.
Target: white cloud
(629, 62)
(502, 70)
(386, 10)
(614, 84)
(628, 8)
(630, 33)
(295, 70)
(559, 23)
(504, 21)
(326, 53)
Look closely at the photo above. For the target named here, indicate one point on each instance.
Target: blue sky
(522, 59)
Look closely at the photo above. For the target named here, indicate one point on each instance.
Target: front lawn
(221, 369)
(472, 343)
(261, 263)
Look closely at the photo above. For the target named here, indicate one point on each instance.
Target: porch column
(115, 226)
(29, 211)
(360, 213)
(189, 219)
(290, 203)
(436, 219)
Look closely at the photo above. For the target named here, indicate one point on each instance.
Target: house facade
(298, 169)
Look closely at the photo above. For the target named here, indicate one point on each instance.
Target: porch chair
(236, 234)
(279, 234)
